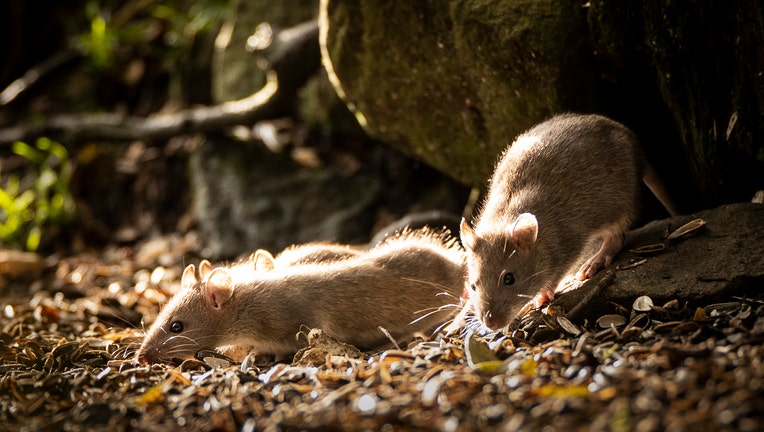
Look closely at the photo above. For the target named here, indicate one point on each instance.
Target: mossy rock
(452, 82)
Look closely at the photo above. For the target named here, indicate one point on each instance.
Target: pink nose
(494, 321)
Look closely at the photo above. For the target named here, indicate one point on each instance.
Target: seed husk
(611, 320)
(688, 230)
(643, 304)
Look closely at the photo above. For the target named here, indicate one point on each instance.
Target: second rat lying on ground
(406, 284)
(563, 187)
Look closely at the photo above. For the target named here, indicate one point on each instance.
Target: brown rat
(561, 188)
(406, 284)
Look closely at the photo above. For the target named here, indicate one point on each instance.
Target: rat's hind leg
(612, 240)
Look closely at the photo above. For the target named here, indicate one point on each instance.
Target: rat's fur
(561, 188)
(392, 285)
(308, 253)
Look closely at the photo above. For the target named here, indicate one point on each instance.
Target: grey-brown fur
(311, 253)
(579, 175)
(391, 286)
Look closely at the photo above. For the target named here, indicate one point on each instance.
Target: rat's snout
(147, 356)
(493, 320)
(142, 357)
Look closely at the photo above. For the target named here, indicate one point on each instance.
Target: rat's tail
(656, 185)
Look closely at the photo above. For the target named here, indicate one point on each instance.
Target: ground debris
(67, 364)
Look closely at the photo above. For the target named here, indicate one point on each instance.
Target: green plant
(38, 198)
(134, 26)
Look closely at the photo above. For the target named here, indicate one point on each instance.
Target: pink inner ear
(218, 288)
(204, 269)
(467, 234)
(263, 260)
(524, 231)
(188, 279)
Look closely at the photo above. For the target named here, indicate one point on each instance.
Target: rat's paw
(543, 298)
(612, 240)
(592, 266)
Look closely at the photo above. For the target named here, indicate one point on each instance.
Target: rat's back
(575, 170)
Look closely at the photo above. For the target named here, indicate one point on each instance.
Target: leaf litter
(68, 341)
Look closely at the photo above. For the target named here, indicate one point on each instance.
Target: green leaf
(25, 150)
(7, 203)
(480, 356)
(33, 239)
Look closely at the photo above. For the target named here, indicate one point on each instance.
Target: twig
(38, 72)
(80, 127)
(586, 293)
(293, 57)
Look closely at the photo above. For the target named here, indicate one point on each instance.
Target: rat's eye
(473, 287)
(176, 327)
(508, 279)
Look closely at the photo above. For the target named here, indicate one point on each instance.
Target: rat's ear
(188, 280)
(263, 260)
(524, 231)
(204, 269)
(218, 288)
(467, 234)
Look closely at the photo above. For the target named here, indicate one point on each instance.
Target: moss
(453, 82)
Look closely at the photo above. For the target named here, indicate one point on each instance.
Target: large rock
(249, 198)
(453, 82)
(722, 260)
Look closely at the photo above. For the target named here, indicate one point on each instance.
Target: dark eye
(176, 327)
(508, 279)
(473, 287)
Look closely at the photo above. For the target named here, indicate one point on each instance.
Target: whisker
(439, 328)
(389, 336)
(448, 294)
(431, 283)
(175, 339)
(428, 314)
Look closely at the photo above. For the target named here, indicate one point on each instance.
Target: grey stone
(453, 82)
(726, 258)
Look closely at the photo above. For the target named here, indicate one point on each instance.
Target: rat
(406, 284)
(566, 187)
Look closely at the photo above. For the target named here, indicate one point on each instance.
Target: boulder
(703, 65)
(452, 82)
(245, 197)
(722, 259)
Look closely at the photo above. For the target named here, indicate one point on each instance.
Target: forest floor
(72, 317)
(70, 329)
